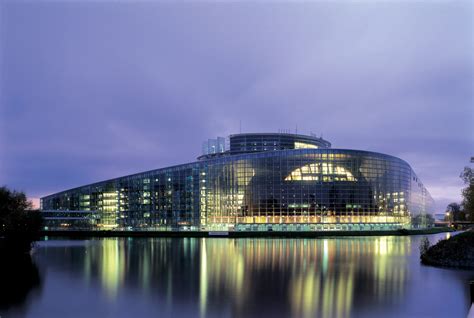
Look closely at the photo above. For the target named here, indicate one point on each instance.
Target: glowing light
(303, 145)
(326, 172)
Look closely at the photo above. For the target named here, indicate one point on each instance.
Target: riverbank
(19, 275)
(455, 252)
(241, 234)
(16, 245)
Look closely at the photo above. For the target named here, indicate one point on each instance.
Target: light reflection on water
(333, 277)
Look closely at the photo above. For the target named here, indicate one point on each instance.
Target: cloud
(95, 90)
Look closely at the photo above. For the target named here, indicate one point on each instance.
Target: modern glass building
(262, 182)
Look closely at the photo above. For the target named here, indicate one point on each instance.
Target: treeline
(465, 210)
(20, 225)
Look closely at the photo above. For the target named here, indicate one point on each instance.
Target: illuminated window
(325, 172)
(303, 145)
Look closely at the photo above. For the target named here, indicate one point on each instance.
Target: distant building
(264, 181)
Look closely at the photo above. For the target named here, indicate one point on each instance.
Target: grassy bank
(85, 234)
(455, 252)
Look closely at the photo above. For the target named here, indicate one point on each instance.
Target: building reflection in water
(112, 266)
(308, 277)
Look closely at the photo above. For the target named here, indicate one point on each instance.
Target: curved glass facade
(301, 189)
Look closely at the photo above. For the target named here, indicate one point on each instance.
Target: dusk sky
(92, 90)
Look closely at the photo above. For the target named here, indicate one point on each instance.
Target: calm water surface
(218, 277)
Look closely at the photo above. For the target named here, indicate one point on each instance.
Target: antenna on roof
(296, 130)
(240, 126)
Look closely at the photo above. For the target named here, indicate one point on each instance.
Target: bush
(458, 251)
(424, 245)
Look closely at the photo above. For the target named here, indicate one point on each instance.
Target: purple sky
(92, 90)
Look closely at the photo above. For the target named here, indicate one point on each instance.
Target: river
(219, 277)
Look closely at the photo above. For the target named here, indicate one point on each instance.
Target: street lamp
(448, 216)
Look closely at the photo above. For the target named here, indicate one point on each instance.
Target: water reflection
(244, 277)
(19, 278)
